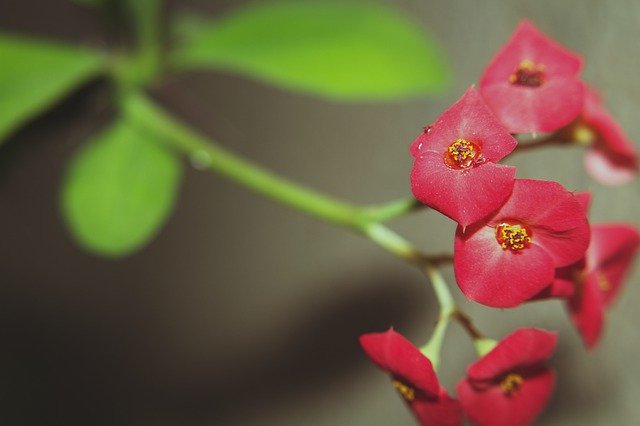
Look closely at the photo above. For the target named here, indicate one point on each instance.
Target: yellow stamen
(462, 154)
(528, 74)
(604, 283)
(513, 237)
(407, 392)
(511, 384)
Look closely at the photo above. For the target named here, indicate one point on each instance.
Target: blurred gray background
(242, 312)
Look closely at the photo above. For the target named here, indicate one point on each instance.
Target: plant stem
(447, 310)
(536, 143)
(393, 209)
(364, 220)
(147, 20)
(206, 153)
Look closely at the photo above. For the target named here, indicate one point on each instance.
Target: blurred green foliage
(343, 50)
(36, 74)
(119, 189)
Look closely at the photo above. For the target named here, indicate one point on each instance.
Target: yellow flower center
(511, 384)
(604, 283)
(513, 237)
(462, 154)
(407, 392)
(528, 74)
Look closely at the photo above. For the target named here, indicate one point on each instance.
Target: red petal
(396, 355)
(557, 220)
(470, 118)
(446, 411)
(541, 109)
(465, 196)
(584, 198)
(418, 144)
(490, 275)
(527, 109)
(613, 160)
(562, 285)
(610, 169)
(586, 310)
(529, 43)
(611, 254)
(524, 347)
(611, 134)
(491, 407)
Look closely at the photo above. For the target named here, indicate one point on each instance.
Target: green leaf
(345, 50)
(34, 75)
(119, 190)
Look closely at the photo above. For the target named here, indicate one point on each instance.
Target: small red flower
(532, 83)
(613, 159)
(455, 170)
(413, 377)
(596, 280)
(510, 385)
(512, 255)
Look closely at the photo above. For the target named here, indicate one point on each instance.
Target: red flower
(596, 280)
(413, 376)
(511, 256)
(455, 170)
(510, 385)
(532, 83)
(613, 159)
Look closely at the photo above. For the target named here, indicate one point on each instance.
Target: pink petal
(609, 169)
(535, 109)
(496, 277)
(553, 104)
(584, 198)
(529, 43)
(613, 159)
(524, 347)
(586, 310)
(396, 355)
(557, 220)
(609, 131)
(491, 407)
(445, 411)
(418, 144)
(611, 253)
(470, 118)
(465, 196)
(561, 287)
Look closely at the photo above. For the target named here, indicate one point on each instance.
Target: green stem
(213, 156)
(536, 143)
(206, 153)
(147, 20)
(394, 243)
(364, 220)
(447, 310)
(393, 209)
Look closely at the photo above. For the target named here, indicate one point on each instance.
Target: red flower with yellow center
(511, 384)
(455, 170)
(532, 83)
(612, 158)
(596, 280)
(412, 375)
(511, 255)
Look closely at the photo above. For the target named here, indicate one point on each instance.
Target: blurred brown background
(242, 312)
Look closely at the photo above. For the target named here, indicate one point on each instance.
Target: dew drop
(200, 160)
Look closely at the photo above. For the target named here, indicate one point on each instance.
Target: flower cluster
(510, 385)
(513, 234)
(517, 240)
